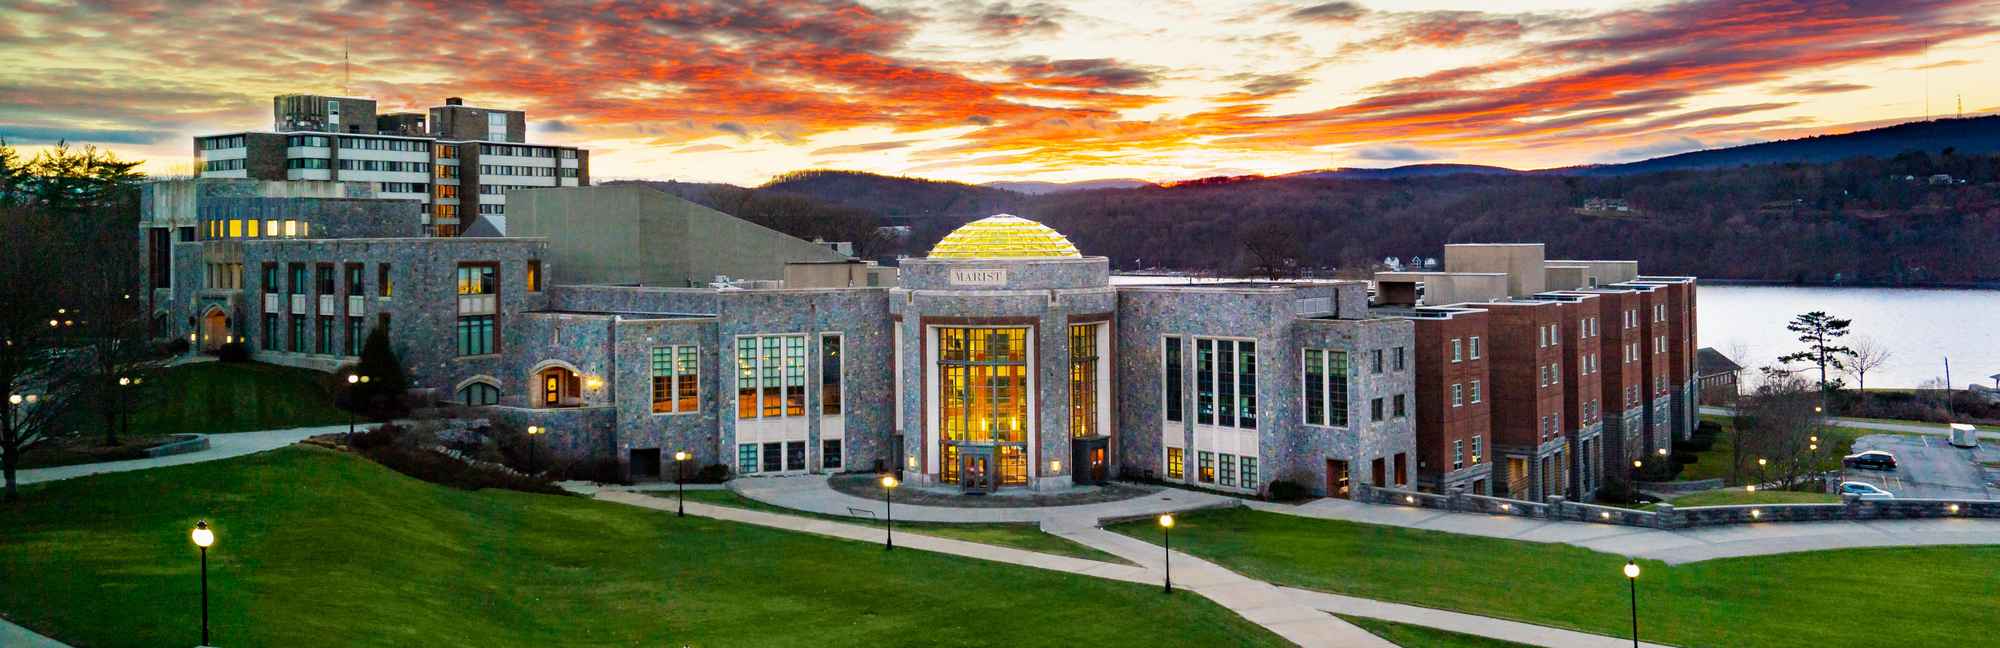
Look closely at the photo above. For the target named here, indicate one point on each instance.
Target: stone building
(1006, 359)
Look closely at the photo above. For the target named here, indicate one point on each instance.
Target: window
(774, 457)
(1226, 383)
(676, 376)
(1325, 388)
(1374, 409)
(1172, 380)
(355, 336)
(1457, 454)
(831, 363)
(1083, 381)
(476, 316)
(305, 163)
(829, 454)
(770, 376)
(479, 393)
(447, 191)
(1475, 391)
(1556, 374)
(298, 334)
(1399, 363)
(1457, 350)
(534, 276)
(1545, 375)
(1478, 447)
(323, 280)
(746, 458)
(1226, 473)
(383, 286)
(1541, 337)
(270, 341)
(1402, 477)
(1176, 463)
(1375, 361)
(1248, 471)
(353, 274)
(1457, 395)
(1205, 467)
(1555, 335)
(1399, 406)
(983, 385)
(1475, 347)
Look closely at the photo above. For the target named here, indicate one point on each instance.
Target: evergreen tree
(1819, 331)
(382, 395)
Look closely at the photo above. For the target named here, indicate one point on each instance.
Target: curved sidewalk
(811, 493)
(220, 446)
(1674, 546)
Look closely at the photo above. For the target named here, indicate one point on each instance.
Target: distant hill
(1407, 171)
(1966, 136)
(896, 198)
(1035, 188)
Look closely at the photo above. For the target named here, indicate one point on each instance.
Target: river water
(1919, 326)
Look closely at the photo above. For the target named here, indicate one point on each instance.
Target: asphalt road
(1926, 468)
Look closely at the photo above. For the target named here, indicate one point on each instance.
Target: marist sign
(978, 277)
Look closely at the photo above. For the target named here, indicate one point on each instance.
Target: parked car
(1875, 459)
(1867, 491)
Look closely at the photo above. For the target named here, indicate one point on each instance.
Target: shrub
(382, 396)
(1286, 490)
(1616, 492)
(176, 346)
(603, 470)
(232, 352)
(406, 451)
(711, 474)
(1682, 458)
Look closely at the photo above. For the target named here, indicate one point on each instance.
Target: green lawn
(217, 397)
(1023, 536)
(1736, 496)
(1715, 463)
(320, 548)
(1825, 599)
(1413, 636)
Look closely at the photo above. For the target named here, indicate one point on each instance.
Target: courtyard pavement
(811, 493)
(220, 446)
(1670, 546)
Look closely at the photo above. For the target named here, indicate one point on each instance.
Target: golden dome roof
(1004, 236)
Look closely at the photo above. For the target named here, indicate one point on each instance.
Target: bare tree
(1865, 355)
(1777, 432)
(36, 373)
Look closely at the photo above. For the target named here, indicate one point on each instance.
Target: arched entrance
(214, 329)
(557, 386)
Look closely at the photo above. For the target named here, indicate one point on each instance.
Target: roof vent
(454, 101)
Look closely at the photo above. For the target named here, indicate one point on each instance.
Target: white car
(1867, 491)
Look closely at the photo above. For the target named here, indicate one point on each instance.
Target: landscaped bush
(410, 451)
(711, 474)
(1617, 492)
(232, 352)
(1286, 490)
(603, 470)
(1683, 458)
(176, 346)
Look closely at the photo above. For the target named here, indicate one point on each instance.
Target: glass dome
(1004, 236)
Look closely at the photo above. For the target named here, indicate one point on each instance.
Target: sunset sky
(980, 91)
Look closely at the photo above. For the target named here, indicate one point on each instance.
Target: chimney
(454, 101)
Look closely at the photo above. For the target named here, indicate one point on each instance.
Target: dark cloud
(1340, 11)
(733, 128)
(1399, 154)
(1822, 87)
(1099, 73)
(1941, 64)
(1266, 85)
(1010, 20)
(556, 126)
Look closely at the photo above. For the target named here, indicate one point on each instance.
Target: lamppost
(889, 484)
(534, 431)
(1632, 577)
(354, 381)
(124, 407)
(203, 537)
(680, 478)
(1761, 475)
(1167, 537)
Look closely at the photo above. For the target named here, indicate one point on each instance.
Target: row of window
(1222, 469)
(218, 143)
(404, 187)
(385, 165)
(676, 379)
(771, 375)
(491, 209)
(320, 141)
(1458, 349)
(253, 228)
(1458, 393)
(322, 340)
(753, 458)
(223, 165)
(374, 144)
(1458, 451)
(325, 279)
(501, 189)
(518, 151)
(517, 170)
(306, 163)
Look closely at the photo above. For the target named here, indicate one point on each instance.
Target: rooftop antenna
(346, 70)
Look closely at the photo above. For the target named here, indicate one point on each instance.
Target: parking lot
(1928, 467)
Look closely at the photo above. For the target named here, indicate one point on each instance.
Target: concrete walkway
(1256, 601)
(811, 493)
(1670, 546)
(220, 446)
(1515, 631)
(1930, 429)
(13, 636)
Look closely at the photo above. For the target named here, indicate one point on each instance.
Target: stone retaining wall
(183, 444)
(1667, 516)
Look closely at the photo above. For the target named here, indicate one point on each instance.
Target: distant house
(1943, 179)
(1715, 375)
